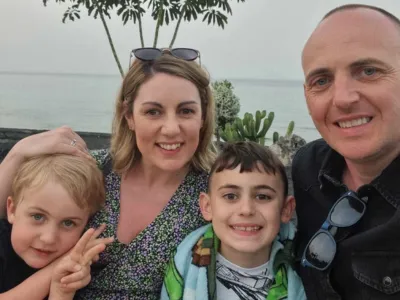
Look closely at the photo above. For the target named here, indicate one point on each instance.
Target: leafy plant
(227, 104)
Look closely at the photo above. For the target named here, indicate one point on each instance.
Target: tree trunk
(160, 16)
(110, 41)
(177, 26)
(141, 31)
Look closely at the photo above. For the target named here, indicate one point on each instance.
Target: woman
(155, 169)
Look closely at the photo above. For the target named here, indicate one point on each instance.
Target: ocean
(86, 102)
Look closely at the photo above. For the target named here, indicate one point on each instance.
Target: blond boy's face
(246, 210)
(46, 224)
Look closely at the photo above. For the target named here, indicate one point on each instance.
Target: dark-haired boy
(241, 255)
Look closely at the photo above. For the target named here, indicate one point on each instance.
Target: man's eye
(322, 81)
(369, 71)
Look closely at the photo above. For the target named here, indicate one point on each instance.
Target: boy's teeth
(353, 123)
(242, 228)
(169, 146)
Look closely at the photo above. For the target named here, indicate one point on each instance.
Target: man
(351, 65)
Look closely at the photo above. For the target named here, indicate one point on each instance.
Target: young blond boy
(52, 198)
(245, 252)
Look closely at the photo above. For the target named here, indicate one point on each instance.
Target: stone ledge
(10, 136)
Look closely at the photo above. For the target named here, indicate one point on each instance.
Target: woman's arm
(61, 140)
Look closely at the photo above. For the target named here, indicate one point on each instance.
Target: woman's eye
(187, 111)
(153, 112)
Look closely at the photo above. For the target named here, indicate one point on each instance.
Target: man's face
(352, 83)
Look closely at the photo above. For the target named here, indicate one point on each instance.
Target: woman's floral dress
(136, 271)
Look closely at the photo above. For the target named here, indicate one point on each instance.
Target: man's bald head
(367, 19)
(363, 6)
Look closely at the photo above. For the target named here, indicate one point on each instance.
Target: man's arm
(35, 287)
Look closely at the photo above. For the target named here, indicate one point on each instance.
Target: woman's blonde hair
(124, 150)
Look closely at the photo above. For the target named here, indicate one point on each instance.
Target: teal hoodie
(191, 275)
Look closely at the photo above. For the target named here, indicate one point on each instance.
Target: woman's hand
(61, 140)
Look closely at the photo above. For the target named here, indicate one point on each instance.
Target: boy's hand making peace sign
(72, 272)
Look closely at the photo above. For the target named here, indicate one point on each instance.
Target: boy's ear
(10, 210)
(289, 205)
(205, 206)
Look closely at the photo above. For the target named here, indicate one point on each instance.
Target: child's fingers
(96, 242)
(95, 258)
(76, 276)
(66, 267)
(91, 253)
(80, 246)
(77, 285)
(98, 231)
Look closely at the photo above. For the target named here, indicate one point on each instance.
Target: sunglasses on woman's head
(149, 54)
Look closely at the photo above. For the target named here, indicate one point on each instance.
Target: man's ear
(289, 205)
(205, 206)
(10, 210)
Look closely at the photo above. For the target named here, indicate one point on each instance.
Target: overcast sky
(263, 38)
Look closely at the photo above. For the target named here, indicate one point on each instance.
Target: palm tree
(132, 10)
(163, 11)
(213, 11)
(99, 8)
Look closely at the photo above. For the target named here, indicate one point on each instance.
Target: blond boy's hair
(80, 177)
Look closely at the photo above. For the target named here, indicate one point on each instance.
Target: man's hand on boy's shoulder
(72, 271)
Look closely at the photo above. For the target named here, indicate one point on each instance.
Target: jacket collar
(386, 184)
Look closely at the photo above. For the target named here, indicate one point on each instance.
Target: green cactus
(290, 129)
(249, 128)
(230, 133)
(252, 128)
(275, 137)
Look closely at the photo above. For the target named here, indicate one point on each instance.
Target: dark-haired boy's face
(246, 210)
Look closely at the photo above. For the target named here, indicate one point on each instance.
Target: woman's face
(166, 119)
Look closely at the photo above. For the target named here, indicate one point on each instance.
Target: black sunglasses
(321, 249)
(149, 54)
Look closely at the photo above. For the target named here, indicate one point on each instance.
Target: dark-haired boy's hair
(249, 156)
(357, 6)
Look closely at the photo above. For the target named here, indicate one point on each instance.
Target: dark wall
(94, 140)
(10, 136)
